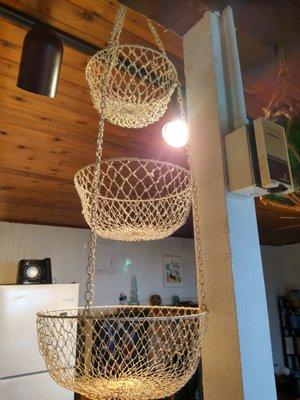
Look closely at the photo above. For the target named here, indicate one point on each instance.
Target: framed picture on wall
(173, 271)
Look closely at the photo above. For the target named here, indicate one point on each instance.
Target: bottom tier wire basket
(122, 352)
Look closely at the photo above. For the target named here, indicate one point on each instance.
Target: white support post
(237, 359)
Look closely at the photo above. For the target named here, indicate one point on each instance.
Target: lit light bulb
(175, 133)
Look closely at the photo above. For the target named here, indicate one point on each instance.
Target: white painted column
(237, 358)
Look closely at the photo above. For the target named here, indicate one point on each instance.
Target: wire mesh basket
(122, 352)
(139, 84)
(128, 352)
(138, 199)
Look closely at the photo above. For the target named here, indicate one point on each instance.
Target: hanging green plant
(283, 109)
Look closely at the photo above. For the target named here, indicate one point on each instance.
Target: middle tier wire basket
(122, 352)
(138, 199)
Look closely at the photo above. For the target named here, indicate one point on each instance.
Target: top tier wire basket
(140, 80)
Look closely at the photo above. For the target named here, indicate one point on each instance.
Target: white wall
(67, 249)
(291, 264)
(281, 271)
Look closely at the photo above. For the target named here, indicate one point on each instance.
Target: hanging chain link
(118, 25)
(90, 269)
(196, 221)
(157, 38)
(92, 244)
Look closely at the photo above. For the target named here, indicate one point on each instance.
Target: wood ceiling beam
(26, 21)
(92, 21)
(39, 215)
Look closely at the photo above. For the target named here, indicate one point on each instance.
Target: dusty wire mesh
(122, 352)
(140, 83)
(138, 199)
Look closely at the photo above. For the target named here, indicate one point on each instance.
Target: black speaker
(34, 271)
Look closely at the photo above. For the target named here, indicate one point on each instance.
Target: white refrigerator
(23, 374)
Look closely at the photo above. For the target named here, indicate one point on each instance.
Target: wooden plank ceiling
(45, 141)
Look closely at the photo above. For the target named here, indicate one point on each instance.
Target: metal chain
(92, 244)
(118, 25)
(197, 233)
(157, 38)
(90, 269)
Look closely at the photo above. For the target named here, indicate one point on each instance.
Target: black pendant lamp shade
(40, 61)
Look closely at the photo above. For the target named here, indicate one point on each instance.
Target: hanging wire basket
(122, 352)
(131, 85)
(140, 84)
(138, 199)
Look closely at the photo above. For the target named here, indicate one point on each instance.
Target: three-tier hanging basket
(128, 352)
(138, 199)
(122, 352)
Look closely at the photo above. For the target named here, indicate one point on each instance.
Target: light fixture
(175, 133)
(40, 61)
